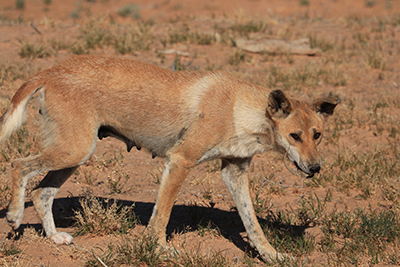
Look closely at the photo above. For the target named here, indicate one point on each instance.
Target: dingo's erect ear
(279, 106)
(325, 106)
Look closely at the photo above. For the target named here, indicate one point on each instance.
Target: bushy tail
(14, 116)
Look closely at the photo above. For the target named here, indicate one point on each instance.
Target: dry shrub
(141, 250)
(3, 105)
(193, 258)
(130, 39)
(104, 217)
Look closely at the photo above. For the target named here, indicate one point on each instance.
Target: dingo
(187, 117)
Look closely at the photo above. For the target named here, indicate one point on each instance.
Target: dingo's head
(298, 128)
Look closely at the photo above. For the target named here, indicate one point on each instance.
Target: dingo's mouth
(297, 170)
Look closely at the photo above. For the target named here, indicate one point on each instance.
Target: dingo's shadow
(184, 218)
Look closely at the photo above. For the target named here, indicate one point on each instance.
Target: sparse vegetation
(373, 234)
(367, 172)
(245, 29)
(130, 10)
(304, 3)
(134, 39)
(20, 4)
(103, 217)
(76, 13)
(17, 146)
(96, 33)
(191, 258)
(370, 3)
(375, 59)
(31, 50)
(237, 57)
(137, 251)
(185, 36)
(323, 44)
(10, 249)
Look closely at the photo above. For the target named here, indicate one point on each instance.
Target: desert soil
(334, 21)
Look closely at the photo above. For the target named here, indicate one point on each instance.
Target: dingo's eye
(317, 135)
(295, 136)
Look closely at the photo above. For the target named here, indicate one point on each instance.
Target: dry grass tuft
(104, 217)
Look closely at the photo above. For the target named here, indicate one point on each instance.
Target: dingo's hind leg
(23, 170)
(60, 160)
(43, 196)
(175, 172)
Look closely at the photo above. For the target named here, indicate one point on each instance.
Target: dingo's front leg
(234, 175)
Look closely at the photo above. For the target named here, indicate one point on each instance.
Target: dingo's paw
(277, 257)
(15, 218)
(62, 238)
(284, 256)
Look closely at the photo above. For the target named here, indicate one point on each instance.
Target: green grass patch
(371, 171)
(130, 10)
(354, 237)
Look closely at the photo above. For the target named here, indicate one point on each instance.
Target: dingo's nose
(314, 168)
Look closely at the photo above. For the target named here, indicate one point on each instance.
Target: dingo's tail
(14, 116)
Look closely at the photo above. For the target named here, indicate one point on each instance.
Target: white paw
(284, 256)
(61, 238)
(15, 218)
(277, 257)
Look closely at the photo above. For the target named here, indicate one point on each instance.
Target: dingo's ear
(279, 106)
(325, 106)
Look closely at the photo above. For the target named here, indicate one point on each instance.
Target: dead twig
(36, 30)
